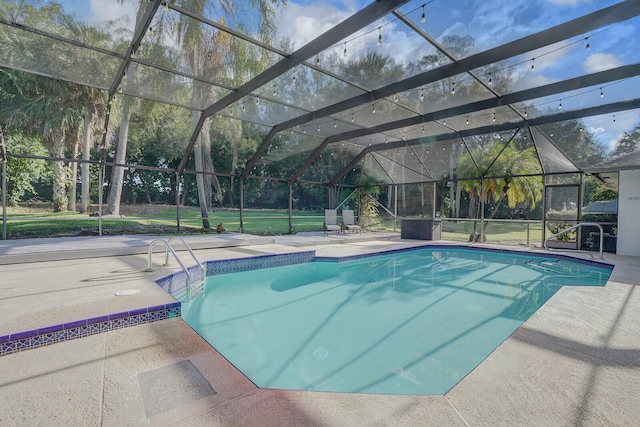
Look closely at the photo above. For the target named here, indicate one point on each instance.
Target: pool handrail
(186, 245)
(169, 248)
(573, 227)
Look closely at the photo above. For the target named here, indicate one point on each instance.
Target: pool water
(415, 322)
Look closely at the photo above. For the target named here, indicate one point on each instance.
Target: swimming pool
(412, 322)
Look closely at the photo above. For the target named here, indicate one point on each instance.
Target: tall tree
(47, 109)
(496, 172)
(628, 142)
(129, 105)
(93, 102)
(207, 54)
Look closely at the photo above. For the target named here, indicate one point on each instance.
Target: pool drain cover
(172, 386)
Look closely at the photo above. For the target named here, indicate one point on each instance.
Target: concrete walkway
(575, 362)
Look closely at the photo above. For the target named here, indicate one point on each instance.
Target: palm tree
(128, 106)
(207, 51)
(53, 108)
(44, 106)
(496, 172)
(93, 102)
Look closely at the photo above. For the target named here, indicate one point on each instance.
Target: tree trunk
(74, 174)
(207, 162)
(200, 181)
(59, 176)
(234, 160)
(87, 139)
(493, 212)
(458, 194)
(117, 177)
(183, 195)
(474, 211)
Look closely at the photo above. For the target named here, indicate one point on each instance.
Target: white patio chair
(349, 222)
(331, 221)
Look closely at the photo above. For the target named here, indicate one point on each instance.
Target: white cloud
(493, 23)
(612, 144)
(608, 131)
(112, 10)
(303, 23)
(526, 80)
(601, 61)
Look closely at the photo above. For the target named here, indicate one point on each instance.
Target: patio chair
(349, 222)
(331, 221)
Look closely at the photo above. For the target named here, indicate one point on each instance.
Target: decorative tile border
(28, 340)
(546, 255)
(177, 282)
(258, 262)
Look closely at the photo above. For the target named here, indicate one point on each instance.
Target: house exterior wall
(629, 213)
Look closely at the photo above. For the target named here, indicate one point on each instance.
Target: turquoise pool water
(414, 322)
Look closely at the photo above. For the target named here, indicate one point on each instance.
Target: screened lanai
(431, 108)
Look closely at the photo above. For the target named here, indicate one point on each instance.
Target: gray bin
(421, 228)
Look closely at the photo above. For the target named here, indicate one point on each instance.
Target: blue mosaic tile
(121, 315)
(173, 304)
(156, 308)
(27, 340)
(50, 329)
(257, 262)
(98, 319)
(61, 336)
(37, 341)
(178, 281)
(138, 311)
(75, 324)
(23, 335)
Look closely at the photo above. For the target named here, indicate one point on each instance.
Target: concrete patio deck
(575, 362)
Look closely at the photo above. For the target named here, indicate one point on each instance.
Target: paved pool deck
(575, 362)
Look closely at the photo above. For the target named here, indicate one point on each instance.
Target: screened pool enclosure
(470, 111)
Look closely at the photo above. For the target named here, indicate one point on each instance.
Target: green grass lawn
(155, 220)
(509, 232)
(161, 220)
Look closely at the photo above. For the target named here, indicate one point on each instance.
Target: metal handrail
(168, 249)
(202, 269)
(566, 230)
